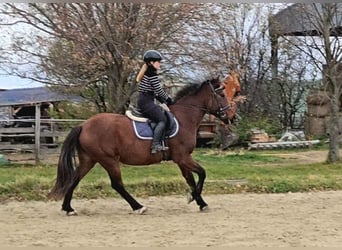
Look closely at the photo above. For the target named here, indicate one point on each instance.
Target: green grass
(258, 172)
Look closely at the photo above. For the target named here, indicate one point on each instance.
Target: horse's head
(218, 104)
(209, 96)
(232, 85)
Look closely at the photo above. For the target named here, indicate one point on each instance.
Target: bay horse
(108, 139)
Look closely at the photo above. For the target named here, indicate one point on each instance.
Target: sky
(6, 81)
(12, 82)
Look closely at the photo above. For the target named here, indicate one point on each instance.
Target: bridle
(221, 112)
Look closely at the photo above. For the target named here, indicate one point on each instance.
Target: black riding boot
(157, 137)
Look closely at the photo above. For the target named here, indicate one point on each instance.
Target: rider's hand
(170, 101)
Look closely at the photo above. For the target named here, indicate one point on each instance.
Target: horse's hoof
(141, 210)
(204, 209)
(71, 213)
(189, 198)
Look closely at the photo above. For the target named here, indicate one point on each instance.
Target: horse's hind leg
(113, 169)
(66, 206)
(83, 168)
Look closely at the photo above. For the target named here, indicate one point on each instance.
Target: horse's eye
(220, 91)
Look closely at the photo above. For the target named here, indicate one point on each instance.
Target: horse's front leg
(201, 178)
(196, 189)
(199, 187)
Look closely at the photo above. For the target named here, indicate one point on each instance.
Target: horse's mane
(188, 90)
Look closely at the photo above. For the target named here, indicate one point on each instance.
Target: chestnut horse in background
(233, 88)
(109, 139)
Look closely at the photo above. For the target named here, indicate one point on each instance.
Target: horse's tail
(66, 168)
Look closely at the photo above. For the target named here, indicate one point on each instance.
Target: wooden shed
(301, 19)
(22, 116)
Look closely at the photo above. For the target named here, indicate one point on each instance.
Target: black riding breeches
(150, 109)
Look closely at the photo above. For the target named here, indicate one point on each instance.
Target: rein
(193, 107)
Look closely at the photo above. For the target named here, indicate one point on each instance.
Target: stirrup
(164, 146)
(156, 148)
(159, 147)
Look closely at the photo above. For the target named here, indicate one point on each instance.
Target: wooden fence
(30, 135)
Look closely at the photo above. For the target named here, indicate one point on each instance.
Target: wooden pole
(274, 57)
(37, 134)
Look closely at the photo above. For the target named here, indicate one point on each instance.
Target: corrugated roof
(32, 95)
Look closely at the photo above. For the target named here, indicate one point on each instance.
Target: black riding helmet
(152, 56)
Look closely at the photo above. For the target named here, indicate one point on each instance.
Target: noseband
(221, 112)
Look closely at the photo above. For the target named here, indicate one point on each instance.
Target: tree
(94, 49)
(230, 37)
(296, 76)
(235, 37)
(321, 24)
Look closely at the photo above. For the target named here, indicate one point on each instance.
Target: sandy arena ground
(239, 220)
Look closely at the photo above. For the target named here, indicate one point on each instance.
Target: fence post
(37, 134)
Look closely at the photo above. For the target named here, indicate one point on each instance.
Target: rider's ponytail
(141, 72)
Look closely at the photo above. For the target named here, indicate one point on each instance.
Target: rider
(150, 89)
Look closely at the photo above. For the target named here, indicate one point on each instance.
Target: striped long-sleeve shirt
(151, 83)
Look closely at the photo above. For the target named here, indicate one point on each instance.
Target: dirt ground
(238, 220)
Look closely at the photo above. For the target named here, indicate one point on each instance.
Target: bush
(243, 127)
